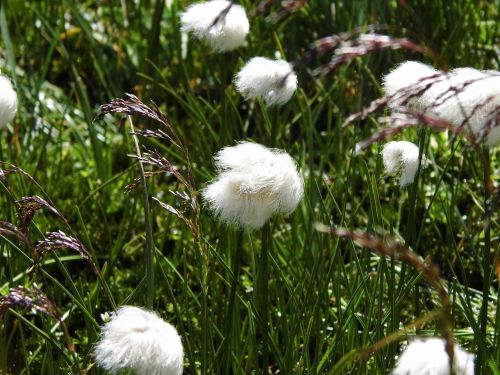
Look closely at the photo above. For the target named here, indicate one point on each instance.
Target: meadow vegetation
(96, 212)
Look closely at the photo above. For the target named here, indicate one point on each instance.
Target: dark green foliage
(327, 296)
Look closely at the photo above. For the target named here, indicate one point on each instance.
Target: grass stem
(150, 278)
(263, 294)
(487, 267)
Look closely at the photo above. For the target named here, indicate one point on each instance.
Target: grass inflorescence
(101, 200)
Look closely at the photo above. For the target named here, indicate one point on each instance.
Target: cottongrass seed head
(461, 94)
(429, 357)
(230, 30)
(406, 80)
(401, 157)
(467, 94)
(8, 101)
(139, 340)
(254, 182)
(273, 80)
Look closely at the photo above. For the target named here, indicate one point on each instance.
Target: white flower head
(139, 340)
(467, 94)
(228, 32)
(8, 101)
(405, 81)
(401, 157)
(464, 94)
(254, 182)
(429, 357)
(273, 80)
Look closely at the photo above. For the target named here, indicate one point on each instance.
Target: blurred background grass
(327, 297)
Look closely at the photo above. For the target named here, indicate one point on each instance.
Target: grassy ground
(327, 297)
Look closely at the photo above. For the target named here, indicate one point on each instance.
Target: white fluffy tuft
(273, 80)
(227, 34)
(139, 340)
(401, 157)
(429, 357)
(407, 79)
(467, 93)
(8, 101)
(463, 93)
(254, 182)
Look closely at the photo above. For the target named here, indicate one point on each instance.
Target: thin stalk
(411, 233)
(411, 226)
(483, 314)
(107, 291)
(496, 341)
(203, 258)
(232, 307)
(150, 278)
(1, 151)
(205, 367)
(263, 293)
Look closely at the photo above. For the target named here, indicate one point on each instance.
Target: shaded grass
(326, 297)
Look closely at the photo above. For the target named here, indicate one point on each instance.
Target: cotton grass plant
(8, 101)
(254, 183)
(465, 97)
(139, 340)
(220, 23)
(274, 81)
(327, 306)
(427, 356)
(401, 157)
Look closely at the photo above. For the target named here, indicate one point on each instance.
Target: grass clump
(101, 212)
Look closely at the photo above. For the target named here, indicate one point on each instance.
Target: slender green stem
(206, 322)
(107, 291)
(150, 278)
(204, 331)
(232, 306)
(496, 341)
(411, 232)
(483, 314)
(263, 293)
(1, 151)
